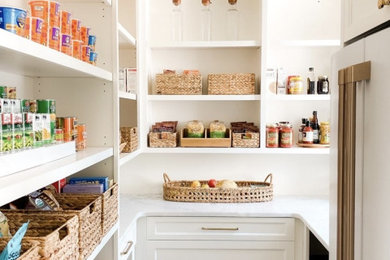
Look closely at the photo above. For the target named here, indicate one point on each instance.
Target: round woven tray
(247, 191)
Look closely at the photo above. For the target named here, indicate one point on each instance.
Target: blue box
(91, 180)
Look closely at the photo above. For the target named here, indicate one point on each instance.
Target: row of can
(40, 106)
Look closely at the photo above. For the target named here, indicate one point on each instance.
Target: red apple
(212, 183)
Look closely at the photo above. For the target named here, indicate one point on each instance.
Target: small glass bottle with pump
(311, 82)
(232, 16)
(177, 21)
(206, 20)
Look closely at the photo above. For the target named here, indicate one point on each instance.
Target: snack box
(91, 180)
(82, 188)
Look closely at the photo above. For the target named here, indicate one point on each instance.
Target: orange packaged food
(66, 44)
(66, 22)
(54, 17)
(68, 129)
(81, 141)
(85, 53)
(85, 35)
(76, 49)
(54, 38)
(33, 29)
(76, 29)
(47, 10)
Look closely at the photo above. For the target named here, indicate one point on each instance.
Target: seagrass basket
(57, 235)
(110, 208)
(29, 250)
(246, 140)
(174, 84)
(231, 84)
(129, 136)
(247, 191)
(162, 140)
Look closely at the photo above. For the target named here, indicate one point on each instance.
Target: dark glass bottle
(316, 128)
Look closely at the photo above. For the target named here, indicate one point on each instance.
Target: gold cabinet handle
(128, 247)
(228, 229)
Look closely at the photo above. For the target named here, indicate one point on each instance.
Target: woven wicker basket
(156, 141)
(181, 191)
(29, 251)
(239, 141)
(110, 208)
(130, 137)
(57, 235)
(88, 208)
(231, 84)
(173, 84)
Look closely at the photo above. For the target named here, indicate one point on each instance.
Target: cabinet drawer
(220, 228)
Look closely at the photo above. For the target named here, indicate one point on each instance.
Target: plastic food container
(76, 29)
(76, 49)
(85, 53)
(66, 22)
(195, 129)
(13, 20)
(66, 44)
(54, 38)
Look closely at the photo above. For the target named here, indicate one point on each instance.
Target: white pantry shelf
(182, 150)
(203, 97)
(126, 95)
(106, 2)
(41, 176)
(24, 57)
(125, 38)
(207, 44)
(313, 43)
(104, 241)
(299, 97)
(126, 157)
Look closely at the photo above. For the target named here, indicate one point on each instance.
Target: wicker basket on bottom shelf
(57, 235)
(109, 208)
(130, 137)
(29, 251)
(247, 191)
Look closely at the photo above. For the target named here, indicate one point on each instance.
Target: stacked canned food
(28, 123)
(51, 26)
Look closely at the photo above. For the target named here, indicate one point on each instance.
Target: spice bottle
(300, 131)
(307, 134)
(311, 82)
(316, 128)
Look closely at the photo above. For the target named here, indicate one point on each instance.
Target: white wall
(293, 174)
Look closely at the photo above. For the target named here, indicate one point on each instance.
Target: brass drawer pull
(228, 229)
(128, 247)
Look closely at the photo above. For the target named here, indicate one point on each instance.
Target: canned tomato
(54, 38)
(84, 34)
(66, 22)
(13, 20)
(76, 49)
(81, 141)
(68, 129)
(59, 135)
(272, 136)
(33, 106)
(34, 29)
(46, 106)
(76, 29)
(92, 57)
(66, 44)
(85, 53)
(92, 42)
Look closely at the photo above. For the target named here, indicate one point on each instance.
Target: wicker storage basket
(173, 84)
(29, 251)
(130, 137)
(162, 140)
(88, 208)
(247, 191)
(57, 235)
(231, 84)
(110, 208)
(246, 140)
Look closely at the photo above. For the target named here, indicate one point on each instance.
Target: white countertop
(312, 211)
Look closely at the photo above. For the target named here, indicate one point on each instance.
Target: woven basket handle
(269, 176)
(166, 178)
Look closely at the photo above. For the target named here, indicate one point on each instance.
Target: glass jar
(232, 16)
(286, 136)
(272, 136)
(324, 133)
(323, 85)
(195, 129)
(177, 21)
(294, 85)
(206, 20)
(217, 129)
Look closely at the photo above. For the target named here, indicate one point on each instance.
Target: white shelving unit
(104, 241)
(24, 57)
(299, 97)
(203, 97)
(106, 2)
(127, 157)
(206, 44)
(126, 95)
(312, 43)
(125, 38)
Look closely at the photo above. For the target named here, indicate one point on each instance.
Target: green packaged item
(6, 133)
(16, 106)
(46, 106)
(46, 128)
(25, 105)
(17, 131)
(13, 248)
(37, 128)
(5, 105)
(3, 92)
(28, 137)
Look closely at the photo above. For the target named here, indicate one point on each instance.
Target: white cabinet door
(221, 250)
(361, 16)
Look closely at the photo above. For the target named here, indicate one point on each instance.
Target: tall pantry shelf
(125, 37)
(24, 57)
(106, 2)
